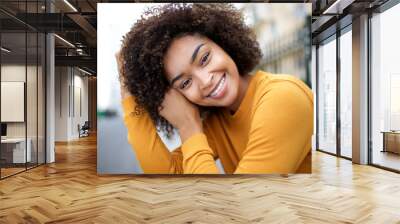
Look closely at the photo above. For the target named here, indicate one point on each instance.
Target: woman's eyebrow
(194, 55)
(176, 79)
(196, 51)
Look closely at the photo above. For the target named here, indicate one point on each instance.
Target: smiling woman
(188, 66)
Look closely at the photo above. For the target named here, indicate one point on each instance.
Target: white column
(50, 100)
(360, 90)
(50, 93)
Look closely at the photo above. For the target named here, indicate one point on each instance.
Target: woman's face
(202, 71)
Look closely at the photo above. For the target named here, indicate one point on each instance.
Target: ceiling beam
(86, 26)
(83, 61)
(337, 7)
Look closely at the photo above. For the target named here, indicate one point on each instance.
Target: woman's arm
(198, 157)
(281, 130)
(151, 152)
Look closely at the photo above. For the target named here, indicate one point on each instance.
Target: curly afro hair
(144, 46)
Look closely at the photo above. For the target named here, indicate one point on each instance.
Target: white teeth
(219, 87)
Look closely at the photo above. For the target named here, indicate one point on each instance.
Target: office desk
(13, 150)
(391, 141)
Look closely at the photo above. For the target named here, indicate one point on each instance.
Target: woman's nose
(205, 80)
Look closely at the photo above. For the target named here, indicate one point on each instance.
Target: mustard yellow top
(269, 133)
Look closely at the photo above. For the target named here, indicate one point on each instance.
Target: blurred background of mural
(283, 32)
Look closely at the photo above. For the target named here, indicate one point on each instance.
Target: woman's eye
(204, 59)
(185, 83)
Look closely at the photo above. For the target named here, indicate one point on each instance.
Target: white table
(19, 149)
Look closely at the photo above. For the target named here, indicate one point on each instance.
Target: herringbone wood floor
(70, 191)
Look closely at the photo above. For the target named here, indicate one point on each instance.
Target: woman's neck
(243, 86)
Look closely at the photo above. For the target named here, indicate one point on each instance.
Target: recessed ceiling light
(64, 40)
(84, 71)
(70, 5)
(5, 49)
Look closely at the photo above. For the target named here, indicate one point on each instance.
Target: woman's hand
(182, 114)
(120, 62)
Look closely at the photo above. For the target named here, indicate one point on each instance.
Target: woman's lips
(220, 88)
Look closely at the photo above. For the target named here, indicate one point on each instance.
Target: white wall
(16, 72)
(61, 103)
(71, 94)
(314, 89)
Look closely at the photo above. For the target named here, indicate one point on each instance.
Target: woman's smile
(220, 89)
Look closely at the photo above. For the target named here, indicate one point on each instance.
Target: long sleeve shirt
(269, 133)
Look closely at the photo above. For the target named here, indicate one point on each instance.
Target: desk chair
(84, 130)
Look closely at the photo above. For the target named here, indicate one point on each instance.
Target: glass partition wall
(334, 106)
(345, 61)
(385, 90)
(327, 96)
(334, 90)
(22, 79)
(13, 110)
